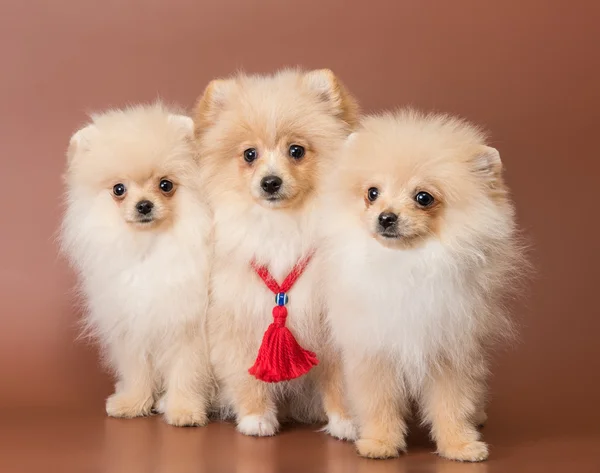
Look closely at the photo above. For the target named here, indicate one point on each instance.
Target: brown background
(526, 70)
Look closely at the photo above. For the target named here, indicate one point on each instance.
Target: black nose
(387, 219)
(271, 184)
(144, 207)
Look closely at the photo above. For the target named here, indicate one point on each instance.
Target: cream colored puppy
(423, 251)
(136, 229)
(264, 141)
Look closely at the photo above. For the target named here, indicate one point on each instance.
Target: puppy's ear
(80, 142)
(211, 103)
(331, 91)
(486, 163)
(184, 123)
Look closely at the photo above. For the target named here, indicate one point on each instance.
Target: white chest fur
(415, 305)
(277, 240)
(145, 285)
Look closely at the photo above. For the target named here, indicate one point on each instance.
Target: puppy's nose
(387, 219)
(271, 184)
(144, 207)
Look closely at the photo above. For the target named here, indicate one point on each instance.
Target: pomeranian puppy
(263, 141)
(137, 231)
(422, 249)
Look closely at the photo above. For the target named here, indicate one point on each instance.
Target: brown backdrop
(527, 70)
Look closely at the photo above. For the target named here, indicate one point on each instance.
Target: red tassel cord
(280, 357)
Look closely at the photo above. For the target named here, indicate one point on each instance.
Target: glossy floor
(53, 442)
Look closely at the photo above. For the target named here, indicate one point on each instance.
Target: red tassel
(280, 357)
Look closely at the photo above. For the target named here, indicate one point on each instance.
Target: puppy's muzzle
(387, 224)
(144, 210)
(387, 220)
(272, 188)
(271, 184)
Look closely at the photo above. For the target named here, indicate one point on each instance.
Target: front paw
(182, 412)
(127, 405)
(341, 428)
(258, 425)
(377, 449)
(475, 451)
(186, 416)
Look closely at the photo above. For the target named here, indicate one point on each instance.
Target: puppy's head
(412, 177)
(265, 137)
(128, 166)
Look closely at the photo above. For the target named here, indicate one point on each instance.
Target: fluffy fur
(269, 114)
(415, 303)
(143, 275)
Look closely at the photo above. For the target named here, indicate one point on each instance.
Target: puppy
(423, 249)
(136, 229)
(264, 141)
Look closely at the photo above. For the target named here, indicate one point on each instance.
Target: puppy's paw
(341, 428)
(372, 448)
(257, 425)
(475, 451)
(185, 416)
(128, 406)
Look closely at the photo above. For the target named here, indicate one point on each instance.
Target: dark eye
(250, 155)
(166, 186)
(372, 194)
(119, 190)
(424, 199)
(297, 151)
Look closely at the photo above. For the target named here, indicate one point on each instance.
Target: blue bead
(281, 298)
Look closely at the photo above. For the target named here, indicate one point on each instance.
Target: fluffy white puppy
(264, 141)
(423, 249)
(136, 229)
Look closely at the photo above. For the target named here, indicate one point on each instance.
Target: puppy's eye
(250, 155)
(119, 190)
(424, 199)
(297, 151)
(166, 186)
(372, 194)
